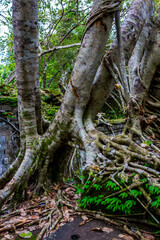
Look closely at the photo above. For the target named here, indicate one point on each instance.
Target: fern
(154, 190)
(156, 203)
(111, 185)
(135, 193)
(97, 187)
(123, 195)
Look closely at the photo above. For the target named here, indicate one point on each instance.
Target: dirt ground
(91, 230)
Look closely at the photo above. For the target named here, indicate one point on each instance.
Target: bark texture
(131, 28)
(39, 150)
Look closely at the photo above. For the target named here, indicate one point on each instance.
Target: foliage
(8, 94)
(157, 7)
(51, 100)
(115, 197)
(60, 23)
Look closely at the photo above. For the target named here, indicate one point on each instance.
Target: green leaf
(148, 143)
(135, 193)
(26, 235)
(123, 195)
(79, 191)
(97, 187)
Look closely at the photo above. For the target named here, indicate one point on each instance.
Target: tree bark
(132, 26)
(39, 150)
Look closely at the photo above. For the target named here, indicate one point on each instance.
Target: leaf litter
(44, 214)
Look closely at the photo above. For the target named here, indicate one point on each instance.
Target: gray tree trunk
(39, 150)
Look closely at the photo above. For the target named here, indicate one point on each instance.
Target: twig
(4, 120)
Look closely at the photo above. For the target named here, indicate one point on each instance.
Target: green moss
(118, 121)
(27, 114)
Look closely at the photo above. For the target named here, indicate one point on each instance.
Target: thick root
(132, 166)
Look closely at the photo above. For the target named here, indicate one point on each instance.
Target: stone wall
(9, 136)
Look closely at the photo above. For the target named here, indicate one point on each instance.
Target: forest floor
(92, 229)
(47, 217)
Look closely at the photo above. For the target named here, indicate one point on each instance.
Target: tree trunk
(39, 150)
(133, 24)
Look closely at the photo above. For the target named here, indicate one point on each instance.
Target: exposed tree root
(130, 161)
(53, 212)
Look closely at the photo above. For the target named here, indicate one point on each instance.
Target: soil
(91, 230)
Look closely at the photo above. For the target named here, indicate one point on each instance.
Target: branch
(59, 48)
(17, 130)
(11, 77)
(153, 104)
(56, 74)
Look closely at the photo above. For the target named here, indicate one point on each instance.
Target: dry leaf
(143, 145)
(44, 198)
(84, 217)
(82, 223)
(108, 230)
(125, 237)
(22, 212)
(148, 236)
(53, 203)
(118, 86)
(94, 167)
(56, 186)
(32, 228)
(121, 235)
(71, 219)
(8, 237)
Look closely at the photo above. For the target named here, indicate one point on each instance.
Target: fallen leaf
(118, 86)
(148, 236)
(125, 237)
(84, 217)
(153, 136)
(143, 145)
(8, 237)
(71, 219)
(53, 203)
(108, 230)
(32, 228)
(121, 235)
(44, 198)
(94, 167)
(25, 234)
(33, 217)
(56, 186)
(22, 212)
(82, 223)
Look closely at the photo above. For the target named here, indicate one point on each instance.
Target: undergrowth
(119, 198)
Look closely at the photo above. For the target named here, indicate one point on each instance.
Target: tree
(131, 54)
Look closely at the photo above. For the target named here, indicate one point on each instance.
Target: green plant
(115, 197)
